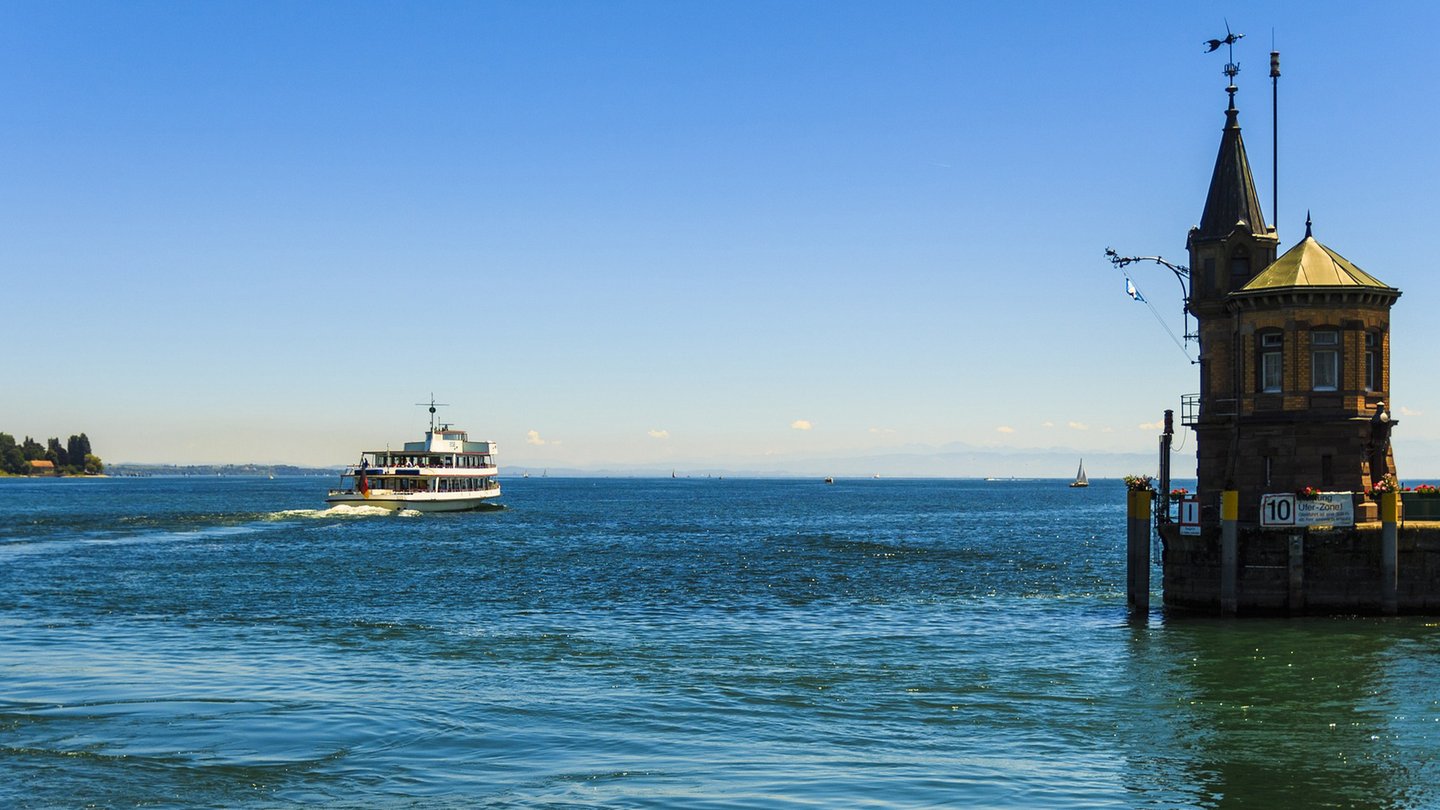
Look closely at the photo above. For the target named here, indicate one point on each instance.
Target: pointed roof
(1311, 264)
(1232, 199)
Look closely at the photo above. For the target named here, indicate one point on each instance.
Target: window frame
(1319, 350)
(1270, 347)
(1373, 369)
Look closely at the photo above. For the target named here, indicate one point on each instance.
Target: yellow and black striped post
(1389, 553)
(1229, 549)
(1137, 551)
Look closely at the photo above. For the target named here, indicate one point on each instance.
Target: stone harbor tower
(1292, 430)
(1294, 353)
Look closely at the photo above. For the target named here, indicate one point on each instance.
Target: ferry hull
(420, 502)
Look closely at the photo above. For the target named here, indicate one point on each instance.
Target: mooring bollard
(1137, 551)
(1229, 551)
(1389, 553)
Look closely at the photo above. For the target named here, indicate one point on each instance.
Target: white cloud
(533, 437)
(1107, 430)
(1150, 426)
(801, 424)
(1079, 426)
(1404, 411)
(879, 431)
(1004, 429)
(658, 434)
(1047, 424)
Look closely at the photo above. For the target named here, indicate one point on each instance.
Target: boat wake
(342, 510)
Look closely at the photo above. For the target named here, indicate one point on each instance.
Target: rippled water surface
(228, 642)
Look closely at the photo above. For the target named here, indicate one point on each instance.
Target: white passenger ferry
(444, 473)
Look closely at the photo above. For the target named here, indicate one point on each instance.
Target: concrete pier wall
(1298, 572)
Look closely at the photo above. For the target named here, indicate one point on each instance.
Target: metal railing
(1189, 409)
(1192, 410)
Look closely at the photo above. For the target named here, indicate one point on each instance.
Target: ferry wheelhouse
(446, 472)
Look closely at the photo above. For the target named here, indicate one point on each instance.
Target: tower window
(1239, 268)
(1272, 362)
(1372, 361)
(1325, 360)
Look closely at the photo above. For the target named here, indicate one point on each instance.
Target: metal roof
(1311, 264)
(1232, 200)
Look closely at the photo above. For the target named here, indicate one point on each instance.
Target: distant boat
(445, 472)
(829, 480)
(1080, 479)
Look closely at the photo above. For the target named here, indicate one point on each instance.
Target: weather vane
(1213, 45)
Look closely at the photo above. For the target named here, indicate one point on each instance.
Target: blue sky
(666, 233)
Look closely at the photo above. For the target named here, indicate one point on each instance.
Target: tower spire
(1232, 199)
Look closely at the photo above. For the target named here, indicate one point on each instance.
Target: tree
(32, 450)
(57, 454)
(74, 457)
(12, 458)
(76, 449)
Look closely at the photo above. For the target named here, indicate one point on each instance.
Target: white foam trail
(341, 510)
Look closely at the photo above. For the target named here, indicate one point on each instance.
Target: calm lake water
(227, 642)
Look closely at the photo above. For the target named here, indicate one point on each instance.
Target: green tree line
(72, 457)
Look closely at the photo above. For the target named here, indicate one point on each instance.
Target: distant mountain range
(950, 461)
(1418, 459)
(218, 469)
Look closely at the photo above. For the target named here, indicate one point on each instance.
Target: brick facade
(1294, 430)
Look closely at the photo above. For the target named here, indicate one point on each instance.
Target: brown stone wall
(1338, 572)
(1297, 428)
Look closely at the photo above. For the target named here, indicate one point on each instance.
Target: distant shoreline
(4, 475)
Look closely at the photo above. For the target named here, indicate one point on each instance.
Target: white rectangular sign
(1326, 509)
(1190, 515)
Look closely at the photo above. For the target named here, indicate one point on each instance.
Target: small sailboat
(1080, 479)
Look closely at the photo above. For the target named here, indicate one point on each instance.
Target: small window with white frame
(1272, 362)
(1325, 360)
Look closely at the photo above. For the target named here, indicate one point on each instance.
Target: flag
(362, 484)
(1132, 292)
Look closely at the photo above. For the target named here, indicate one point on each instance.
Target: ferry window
(1372, 361)
(1272, 362)
(1325, 360)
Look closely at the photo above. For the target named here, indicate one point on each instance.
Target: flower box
(1419, 506)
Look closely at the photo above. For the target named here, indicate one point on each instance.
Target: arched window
(1325, 360)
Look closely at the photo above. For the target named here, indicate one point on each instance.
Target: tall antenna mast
(433, 405)
(1274, 133)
